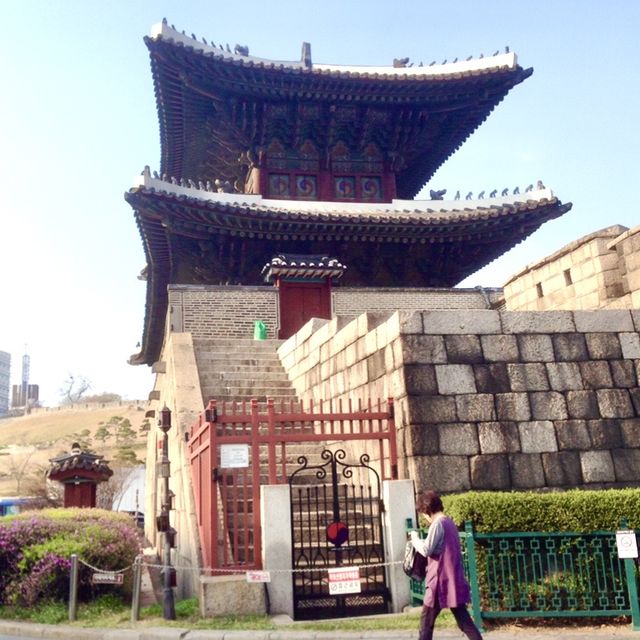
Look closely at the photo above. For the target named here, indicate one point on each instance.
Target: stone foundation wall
(487, 399)
(600, 270)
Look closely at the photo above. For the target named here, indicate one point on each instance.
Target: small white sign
(344, 580)
(627, 545)
(234, 456)
(258, 576)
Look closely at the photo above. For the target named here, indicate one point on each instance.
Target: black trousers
(460, 613)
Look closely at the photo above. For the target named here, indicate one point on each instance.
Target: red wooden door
(301, 301)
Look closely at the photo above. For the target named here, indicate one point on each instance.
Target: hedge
(574, 510)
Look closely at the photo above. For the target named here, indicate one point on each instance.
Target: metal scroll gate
(236, 447)
(337, 538)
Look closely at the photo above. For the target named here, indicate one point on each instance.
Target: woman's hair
(429, 502)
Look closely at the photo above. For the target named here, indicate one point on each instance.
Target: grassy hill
(30, 441)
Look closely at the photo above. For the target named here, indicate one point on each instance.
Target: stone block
(615, 403)
(630, 430)
(421, 349)
(431, 409)
(603, 320)
(572, 435)
(570, 347)
(475, 407)
(498, 437)
(597, 466)
(623, 373)
(231, 595)
(626, 463)
(582, 405)
(548, 405)
(562, 469)
(420, 378)
(491, 378)
(513, 406)
(535, 348)
(603, 346)
(375, 365)
(537, 436)
(635, 315)
(604, 434)
(442, 473)
(499, 348)
(596, 375)
(630, 345)
(458, 438)
(464, 321)
(635, 397)
(455, 378)
(526, 470)
(564, 376)
(537, 321)
(408, 322)
(463, 349)
(528, 377)
(423, 439)
(490, 473)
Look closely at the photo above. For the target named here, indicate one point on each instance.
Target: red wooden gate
(301, 301)
(234, 448)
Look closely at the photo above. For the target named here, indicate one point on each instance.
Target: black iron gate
(337, 524)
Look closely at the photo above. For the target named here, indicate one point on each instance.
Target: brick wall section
(222, 311)
(488, 399)
(231, 311)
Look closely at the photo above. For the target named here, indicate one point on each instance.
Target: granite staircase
(241, 370)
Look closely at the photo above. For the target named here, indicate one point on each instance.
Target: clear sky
(78, 121)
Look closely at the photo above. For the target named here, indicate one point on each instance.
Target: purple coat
(445, 573)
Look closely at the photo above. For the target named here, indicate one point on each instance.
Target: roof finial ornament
(540, 185)
(241, 50)
(469, 195)
(482, 55)
(432, 63)
(457, 196)
(156, 176)
(146, 172)
(494, 193)
(481, 195)
(228, 48)
(437, 195)
(516, 191)
(193, 36)
(506, 49)
(204, 40)
(400, 63)
(505, 192)
(469, 58)
(496, 52)
(191, 183)
(164, 21)
(529, 188)
(208, 186)
(306, 55)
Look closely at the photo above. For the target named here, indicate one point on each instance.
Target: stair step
(271, 380)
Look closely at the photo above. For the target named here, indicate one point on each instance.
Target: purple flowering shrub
(35, 551)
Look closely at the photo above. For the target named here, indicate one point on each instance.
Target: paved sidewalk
(66, 632)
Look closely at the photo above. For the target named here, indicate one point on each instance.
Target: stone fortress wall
(487, 399)
(598, 271)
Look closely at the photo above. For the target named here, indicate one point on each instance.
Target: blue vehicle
(12, 506)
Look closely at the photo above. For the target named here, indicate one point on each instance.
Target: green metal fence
(547, 575)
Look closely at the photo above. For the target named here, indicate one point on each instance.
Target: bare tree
(73, 388)
(110, 493)
(16, 465)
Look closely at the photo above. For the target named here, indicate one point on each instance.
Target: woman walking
(445, 583)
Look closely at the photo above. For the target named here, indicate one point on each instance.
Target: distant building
(5, 382)
(24, 394)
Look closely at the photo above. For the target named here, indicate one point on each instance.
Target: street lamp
(162, 521)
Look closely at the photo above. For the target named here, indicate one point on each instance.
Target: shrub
(35, 550)
(575, 510)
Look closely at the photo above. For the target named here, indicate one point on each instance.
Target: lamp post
(163, 522)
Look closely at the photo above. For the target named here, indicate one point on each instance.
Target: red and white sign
(258, 576)
(344, 580)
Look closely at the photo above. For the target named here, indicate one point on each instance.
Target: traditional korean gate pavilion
(261, 158)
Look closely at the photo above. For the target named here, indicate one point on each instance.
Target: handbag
(414, 564)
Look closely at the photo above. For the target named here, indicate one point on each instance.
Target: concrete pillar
(399, 503)
(276, 546)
